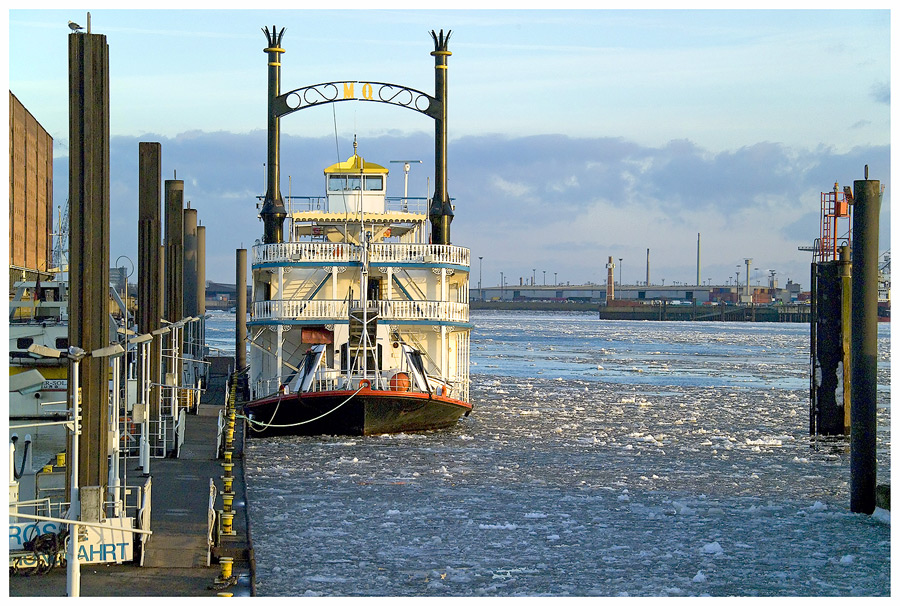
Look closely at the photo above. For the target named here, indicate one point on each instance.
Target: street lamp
(533, 272)
(480, 292)
(545, 277)
(620, 271)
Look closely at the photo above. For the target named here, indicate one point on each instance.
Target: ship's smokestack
(273, 212)
(441, 212)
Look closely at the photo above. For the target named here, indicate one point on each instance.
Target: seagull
(74, 26)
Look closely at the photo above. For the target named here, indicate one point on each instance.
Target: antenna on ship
(406, 164)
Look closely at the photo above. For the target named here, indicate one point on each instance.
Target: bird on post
(74, 26)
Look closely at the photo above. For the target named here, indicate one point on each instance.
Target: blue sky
(575, 135)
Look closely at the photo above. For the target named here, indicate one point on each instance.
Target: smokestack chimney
(698, 258)
(647, 283)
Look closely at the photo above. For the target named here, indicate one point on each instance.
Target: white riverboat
(358, 325)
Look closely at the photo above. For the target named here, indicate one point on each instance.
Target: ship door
(374, 291)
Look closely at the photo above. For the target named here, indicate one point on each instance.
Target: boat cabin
(354, 186)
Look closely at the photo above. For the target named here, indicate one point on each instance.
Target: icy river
(602, 459)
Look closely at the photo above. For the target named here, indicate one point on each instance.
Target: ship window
(337, 183)
(353, 182)
(24, 342)
(62, 343)
(374, 183)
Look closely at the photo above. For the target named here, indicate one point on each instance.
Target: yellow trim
(440, 67)
(273, 50)
(275, 64)
(448, 53)
(356, 165)
(48, 372)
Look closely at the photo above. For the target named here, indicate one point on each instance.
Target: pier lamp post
(554, 279)
(620, 271)
(480, 292)
(533, 274)
(545, 277)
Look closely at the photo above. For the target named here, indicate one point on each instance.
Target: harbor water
(603, 458)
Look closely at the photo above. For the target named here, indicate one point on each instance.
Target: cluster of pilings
(844, 344)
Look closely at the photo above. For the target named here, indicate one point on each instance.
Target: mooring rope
(268, 425)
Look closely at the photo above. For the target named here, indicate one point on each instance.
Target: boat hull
(367, 412)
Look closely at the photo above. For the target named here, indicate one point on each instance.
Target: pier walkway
(175, 562)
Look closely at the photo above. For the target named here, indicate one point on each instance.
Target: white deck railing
(325, 252)
(331, 310)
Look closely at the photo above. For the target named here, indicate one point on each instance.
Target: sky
(575, 135)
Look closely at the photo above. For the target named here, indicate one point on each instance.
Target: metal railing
(326, 252)
(330, 310)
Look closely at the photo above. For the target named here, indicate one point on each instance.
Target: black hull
(342, 413)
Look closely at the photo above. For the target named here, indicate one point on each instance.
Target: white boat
(37, 315)
(358, 325)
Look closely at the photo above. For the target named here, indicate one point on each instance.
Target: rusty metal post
(150, 295)
(89, 245)
(828, 364)
(440, 212)
(864, 345)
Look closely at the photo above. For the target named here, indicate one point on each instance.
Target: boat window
(337, 182)
(375, 183)
(24, 342)
(353, 182)
(62, 343)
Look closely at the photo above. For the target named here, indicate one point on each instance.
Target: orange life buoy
(364, 384)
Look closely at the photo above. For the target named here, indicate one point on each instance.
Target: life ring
(364, 384)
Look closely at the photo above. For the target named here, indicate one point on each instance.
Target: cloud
(881, 92)
(556, 203)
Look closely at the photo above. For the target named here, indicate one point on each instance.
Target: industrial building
(30, 195)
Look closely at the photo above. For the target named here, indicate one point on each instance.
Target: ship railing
(315, 252)
(449, 311)
(333, 309)
(342, 252)
(419, 253)
(323, 309)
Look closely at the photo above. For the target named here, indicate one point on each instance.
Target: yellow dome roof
(356, 165)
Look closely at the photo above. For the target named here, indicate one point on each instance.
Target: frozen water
(602, 459)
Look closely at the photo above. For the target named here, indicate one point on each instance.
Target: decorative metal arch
(357, 90)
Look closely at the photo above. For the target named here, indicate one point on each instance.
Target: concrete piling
(864, 345)
(174, 258)
(89, 245)
(150, 295)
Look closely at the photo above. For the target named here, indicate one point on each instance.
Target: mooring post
(864, 345)
(174, 264)
(150, 294)
(240, 321)
(89, 248)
